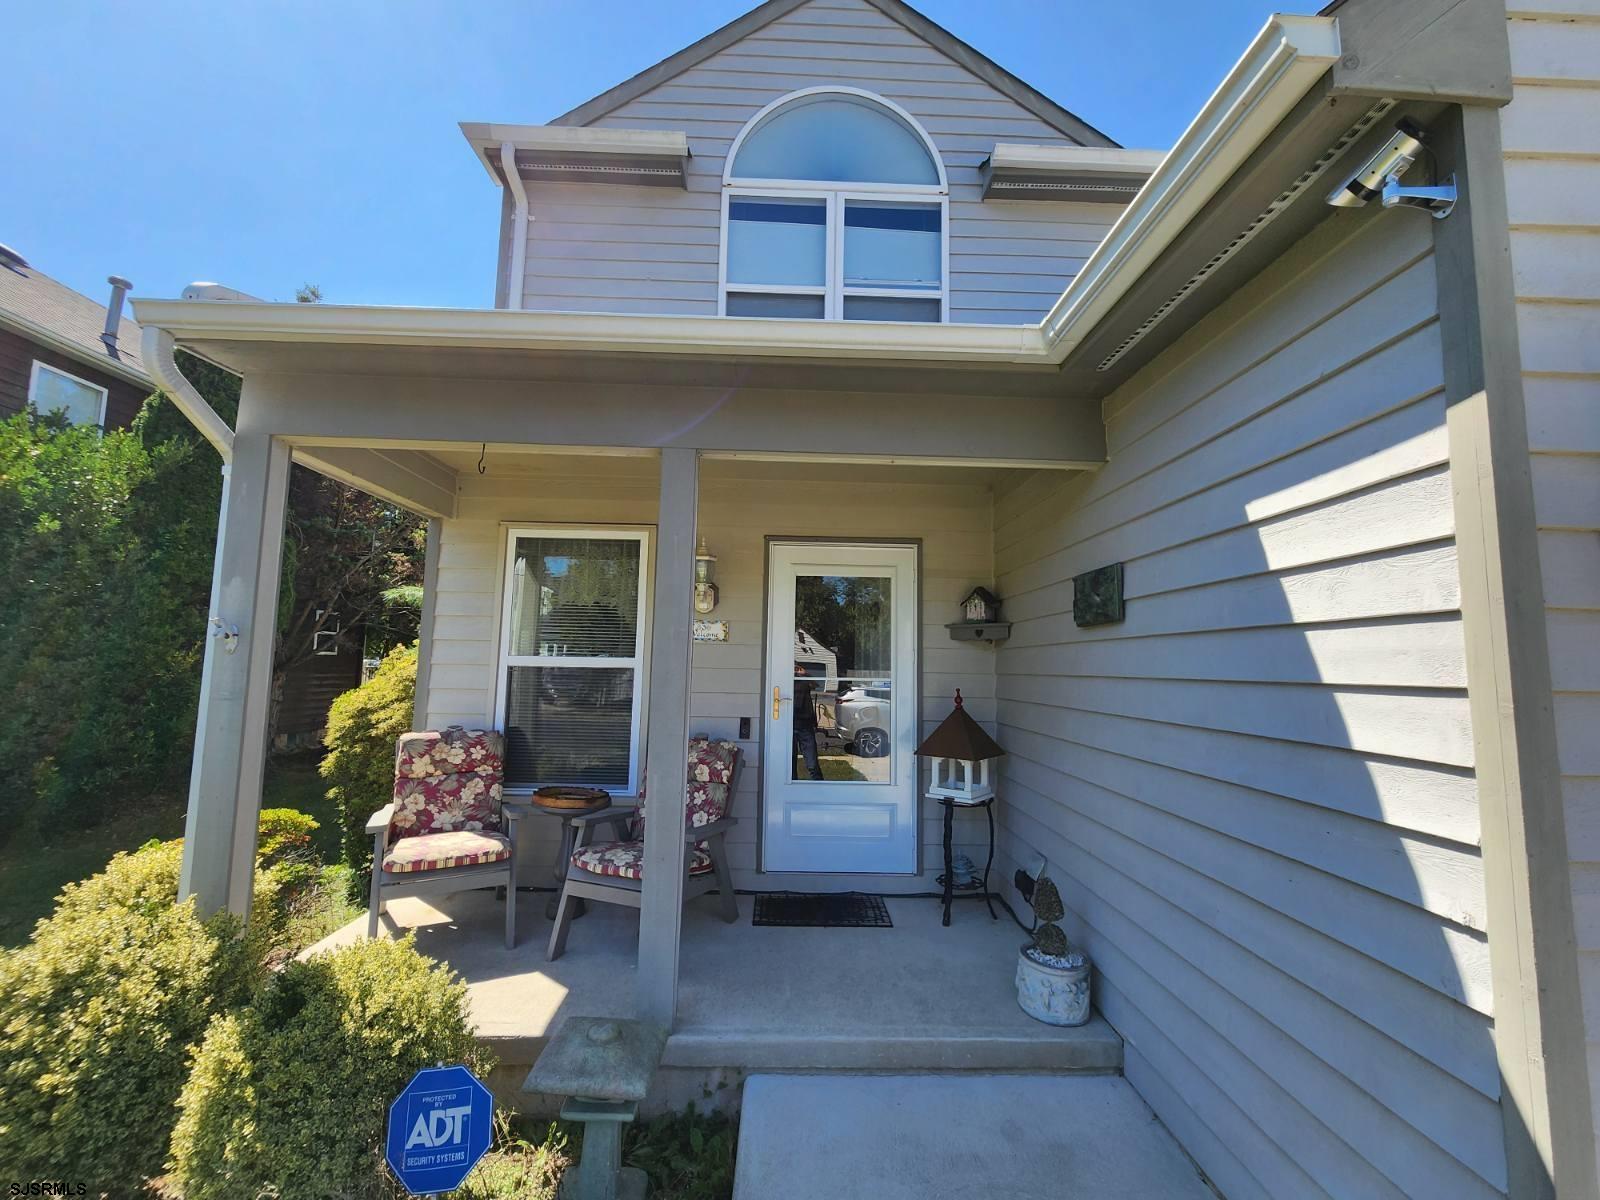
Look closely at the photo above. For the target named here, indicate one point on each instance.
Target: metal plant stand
(604, 1066)
(950, 890)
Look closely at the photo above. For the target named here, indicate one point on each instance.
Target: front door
(839, 777)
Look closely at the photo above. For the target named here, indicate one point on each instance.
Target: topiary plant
(1049, 941)
(288, 1097)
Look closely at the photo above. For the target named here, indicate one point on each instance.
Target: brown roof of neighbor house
(32, 303)
(959, 736)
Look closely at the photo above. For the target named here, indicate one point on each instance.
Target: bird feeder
(960, 752)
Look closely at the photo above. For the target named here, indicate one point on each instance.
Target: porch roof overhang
(1262, 100)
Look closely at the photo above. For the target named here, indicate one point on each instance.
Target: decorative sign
(710, 631)
(1097, 596)
(439, 1128)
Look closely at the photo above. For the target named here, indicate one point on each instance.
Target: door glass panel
(844, 685)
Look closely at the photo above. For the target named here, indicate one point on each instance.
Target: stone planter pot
(1054, 995)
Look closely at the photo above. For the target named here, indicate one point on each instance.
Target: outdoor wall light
(705, 591)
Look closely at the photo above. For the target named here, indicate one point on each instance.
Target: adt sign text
(439, 1128)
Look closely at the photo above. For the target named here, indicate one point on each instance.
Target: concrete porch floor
(917, 997)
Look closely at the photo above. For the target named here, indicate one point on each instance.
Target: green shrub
(102, 1008)
(363, 726)
(289, 1096)
(99, 1013)
(284, 835)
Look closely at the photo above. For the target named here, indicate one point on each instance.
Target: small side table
(569, 835)
(950, 807)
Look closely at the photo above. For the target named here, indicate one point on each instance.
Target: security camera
(1379, 177)
(1390, 162)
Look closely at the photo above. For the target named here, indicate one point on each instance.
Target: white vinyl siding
(740, 504)
(1551, 135)
(633, 249)
(1257, 792)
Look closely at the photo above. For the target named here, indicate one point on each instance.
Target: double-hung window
(572, 657)
(835, 208)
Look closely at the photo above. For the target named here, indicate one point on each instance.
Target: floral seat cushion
(449, 780)
(626, 859)
(438, 851)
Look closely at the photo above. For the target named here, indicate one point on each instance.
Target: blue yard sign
(439, 1128)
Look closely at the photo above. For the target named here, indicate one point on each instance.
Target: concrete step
(931, 1137)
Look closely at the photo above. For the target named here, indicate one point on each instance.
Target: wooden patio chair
(445, 830)
(613, 872)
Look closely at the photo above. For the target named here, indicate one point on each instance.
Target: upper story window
(51, 389)
(835, 207)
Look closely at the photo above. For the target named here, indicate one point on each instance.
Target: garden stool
(603, 1065)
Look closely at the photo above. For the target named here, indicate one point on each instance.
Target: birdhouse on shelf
(981, 607)
(960, 752)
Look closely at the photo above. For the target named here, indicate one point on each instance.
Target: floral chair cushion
(447, 781)
(710, 773)
(437, 851)
(626, 859)
(453, 751)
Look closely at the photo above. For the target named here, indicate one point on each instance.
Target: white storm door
(840, 709)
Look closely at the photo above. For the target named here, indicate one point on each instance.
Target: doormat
(849, 910)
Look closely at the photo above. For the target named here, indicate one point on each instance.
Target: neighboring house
(879, 323)
(61, 350)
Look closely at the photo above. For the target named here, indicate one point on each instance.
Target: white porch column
(235, 685)
(661, 917)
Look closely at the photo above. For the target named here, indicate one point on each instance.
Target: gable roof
(49, 312)
(940, 38)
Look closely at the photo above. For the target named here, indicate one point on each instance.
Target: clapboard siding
(1551, 134)
(1009, 260)
(1257, 790)
(741, 504)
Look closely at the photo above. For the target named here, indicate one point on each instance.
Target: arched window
(834, 207)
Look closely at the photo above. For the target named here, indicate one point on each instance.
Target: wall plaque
(1097, 596)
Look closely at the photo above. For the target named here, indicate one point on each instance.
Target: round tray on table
(574, 800)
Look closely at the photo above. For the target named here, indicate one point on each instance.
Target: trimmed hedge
(363, 726)
(101, 1010)
(289, 1096)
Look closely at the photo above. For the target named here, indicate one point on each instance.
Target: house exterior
(61, 350)
(874, 323)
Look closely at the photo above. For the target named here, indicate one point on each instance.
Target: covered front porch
(503, 449)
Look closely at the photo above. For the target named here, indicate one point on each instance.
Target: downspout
(157, 348)
(516, 284)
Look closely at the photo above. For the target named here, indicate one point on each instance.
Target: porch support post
(430, 606)
(661, 914)
(236, 683)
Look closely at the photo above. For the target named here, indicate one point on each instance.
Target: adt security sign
(439, 1128)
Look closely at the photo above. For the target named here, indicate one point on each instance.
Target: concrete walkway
(955, 1137)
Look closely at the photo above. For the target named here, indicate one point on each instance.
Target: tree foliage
(363, 726)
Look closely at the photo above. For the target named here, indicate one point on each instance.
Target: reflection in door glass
(843, 679)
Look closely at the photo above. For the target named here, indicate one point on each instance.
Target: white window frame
(33, 383)
(835, 194)
(640, 662)
(325, 641)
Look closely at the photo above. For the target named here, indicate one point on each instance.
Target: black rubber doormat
(849, 910)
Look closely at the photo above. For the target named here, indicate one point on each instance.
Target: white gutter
(1286, 58)
(1281, 65)
(622, 332)
(156, 349)
(516, 281)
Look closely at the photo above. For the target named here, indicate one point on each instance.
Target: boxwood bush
(363, 726)
(288, 1097)
(101, 1010)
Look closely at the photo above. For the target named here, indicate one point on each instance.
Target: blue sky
(268, 143)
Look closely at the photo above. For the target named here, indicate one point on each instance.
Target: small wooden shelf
(979, 631)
